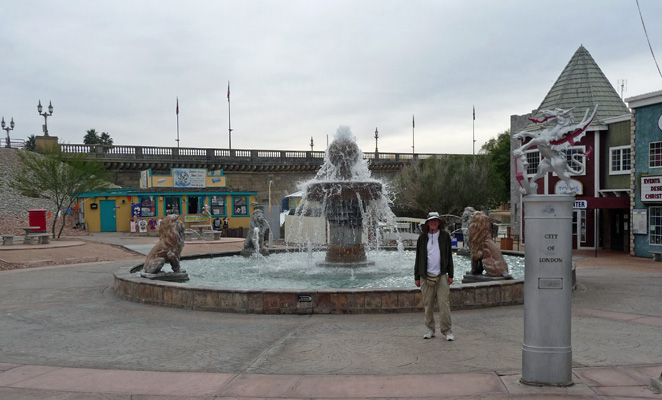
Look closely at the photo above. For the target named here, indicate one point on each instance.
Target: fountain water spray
(349, 199)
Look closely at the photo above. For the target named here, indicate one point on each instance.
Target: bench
(657, 255)
(215, 234)
(31, 238)
(43, 238)
(37, 238)
(7, 240)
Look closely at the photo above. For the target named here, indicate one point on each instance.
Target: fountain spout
(343, 186)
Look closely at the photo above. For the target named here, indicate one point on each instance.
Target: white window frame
(612, 154)
(580, 150)
(650, 158)
(655, 225)
(530, 169)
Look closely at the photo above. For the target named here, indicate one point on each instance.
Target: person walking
(433, 273)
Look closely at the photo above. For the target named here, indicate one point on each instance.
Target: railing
(192, 153)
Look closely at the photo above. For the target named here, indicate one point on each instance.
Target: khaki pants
(438, 293)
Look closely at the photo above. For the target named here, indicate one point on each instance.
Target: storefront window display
(148, 206)
(240, 205)
(172, 204)
(217, 205)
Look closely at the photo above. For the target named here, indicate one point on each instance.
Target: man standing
(433, 273)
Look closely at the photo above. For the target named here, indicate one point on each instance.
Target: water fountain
(344, 187)
(353, 205)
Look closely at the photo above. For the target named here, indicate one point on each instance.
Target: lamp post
(11, 127)
(376, 138)
(311, 143)
(45, 115)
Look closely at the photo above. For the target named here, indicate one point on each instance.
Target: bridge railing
(192, 153)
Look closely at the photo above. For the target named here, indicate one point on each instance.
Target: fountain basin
(130, 286)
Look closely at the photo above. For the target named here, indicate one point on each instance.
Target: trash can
(37, 218)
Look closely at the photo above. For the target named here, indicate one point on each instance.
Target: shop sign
(580, 204)
(184, 177)
(196, 218)
(651, 188)
(562, 187)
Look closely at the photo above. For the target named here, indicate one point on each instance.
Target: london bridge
(249, 169)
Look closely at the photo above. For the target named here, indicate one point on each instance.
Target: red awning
(606, 202)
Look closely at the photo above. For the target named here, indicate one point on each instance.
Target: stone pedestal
(471, 278)
(546, 348)
(43, 143)
(180, 276)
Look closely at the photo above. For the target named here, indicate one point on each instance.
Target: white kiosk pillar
(546, 348)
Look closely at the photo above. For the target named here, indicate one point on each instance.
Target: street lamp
(10, 128)
(311, 143)
(376, 138)
(45, 115)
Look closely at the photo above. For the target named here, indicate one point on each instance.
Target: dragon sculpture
(552, 142)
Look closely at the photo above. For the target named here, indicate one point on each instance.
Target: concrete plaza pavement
(64, 335)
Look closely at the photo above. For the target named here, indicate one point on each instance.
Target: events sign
(184, 177)
(651, 188)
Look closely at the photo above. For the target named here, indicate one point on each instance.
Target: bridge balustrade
(241, 156)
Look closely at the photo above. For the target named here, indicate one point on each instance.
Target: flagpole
(229, 124)
(473, 133)
(413, 125)
(177, 122)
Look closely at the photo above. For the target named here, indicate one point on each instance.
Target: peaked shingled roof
(582, 85)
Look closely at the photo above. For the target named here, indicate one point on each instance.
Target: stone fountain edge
(130, 287)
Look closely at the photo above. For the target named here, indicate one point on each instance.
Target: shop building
(599, 160)
(199, 196)
(646, 177)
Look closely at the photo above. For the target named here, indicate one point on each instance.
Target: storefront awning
(606, 202)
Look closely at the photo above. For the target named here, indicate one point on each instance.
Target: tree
(105, 139)
(498, 150)
(447, 184)
(93, 137)
(31, 143)
(51, 176)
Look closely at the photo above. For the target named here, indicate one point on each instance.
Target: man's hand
(418, 283)
(450, 280)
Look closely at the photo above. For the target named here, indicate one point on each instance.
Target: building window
(148, 206)
(195, 204)
(240, 205)
(576, 164)
(655, 224)
(533, 159)
(619, 160)
(655, 154)
(217, 205)
(172, 205)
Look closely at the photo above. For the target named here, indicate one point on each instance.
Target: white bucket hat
(433, 215)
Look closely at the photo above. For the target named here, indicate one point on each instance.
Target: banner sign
(184, 177)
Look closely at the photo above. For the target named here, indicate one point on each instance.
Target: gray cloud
(302, 68)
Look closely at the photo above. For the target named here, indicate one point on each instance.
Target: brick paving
(64, 335)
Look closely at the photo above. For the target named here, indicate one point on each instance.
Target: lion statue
(466, 218)
(484, 253)
(256, 230)
(169, 247)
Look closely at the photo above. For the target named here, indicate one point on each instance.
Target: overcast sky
(300, 69)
